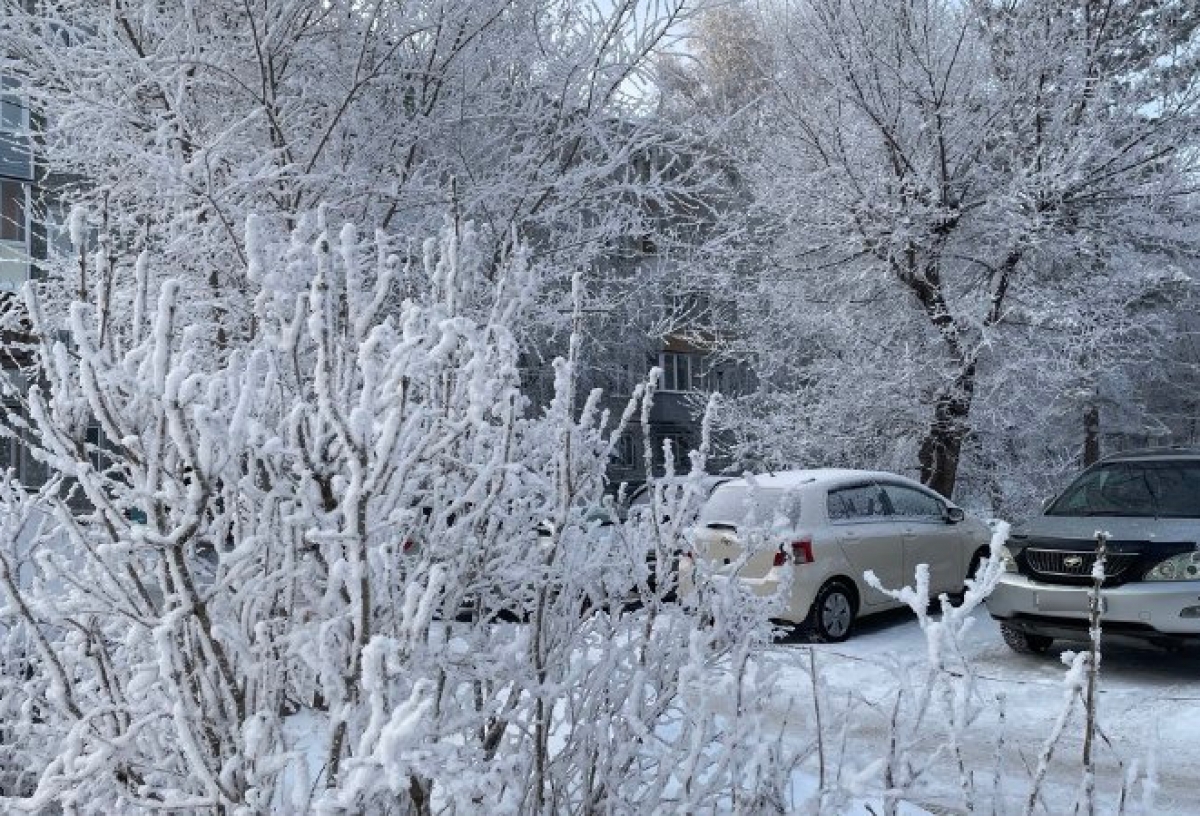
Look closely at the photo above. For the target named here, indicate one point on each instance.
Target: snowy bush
(941, 723)
(336, 563)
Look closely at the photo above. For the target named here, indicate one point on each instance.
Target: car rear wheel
(1024, 642)
(832, 614)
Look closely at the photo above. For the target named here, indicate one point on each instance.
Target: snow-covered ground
(1148, 712)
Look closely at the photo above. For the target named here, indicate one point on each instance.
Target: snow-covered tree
(719, 70)
(963, 200)
(527, 117)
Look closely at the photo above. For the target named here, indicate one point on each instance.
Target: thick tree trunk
(941, 448)
(1091, 435)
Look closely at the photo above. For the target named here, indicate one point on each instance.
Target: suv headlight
(1008, 559)
(1182, 567)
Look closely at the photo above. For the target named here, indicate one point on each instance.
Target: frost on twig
(948, 681)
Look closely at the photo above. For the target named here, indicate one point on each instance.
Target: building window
(14, 232)
(10, 454)
(682, 443)
(16, 161)
(625, 453)
(15, 454)
(730, 378)
(683, 371)
(12, 211)
(677, 371)
(93, 444)
(12, 110)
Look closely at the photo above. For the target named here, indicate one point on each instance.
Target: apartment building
(646, 308)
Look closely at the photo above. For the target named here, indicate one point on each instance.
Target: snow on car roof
(785, 479)
(1152, 453)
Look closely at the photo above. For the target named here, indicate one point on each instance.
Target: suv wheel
(1024, 642)
(832, 614)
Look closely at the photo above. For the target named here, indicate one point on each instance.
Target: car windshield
(1163, 489)
(741, 505)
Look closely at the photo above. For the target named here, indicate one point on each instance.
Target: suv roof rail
(1142, 453)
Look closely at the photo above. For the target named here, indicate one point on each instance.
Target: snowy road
(1149, 711)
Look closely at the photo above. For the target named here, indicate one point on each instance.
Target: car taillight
(802, 551)
(408, 546)
(780, 558)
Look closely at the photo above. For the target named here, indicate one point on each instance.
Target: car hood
(1084, 528)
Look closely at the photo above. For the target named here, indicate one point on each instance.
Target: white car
(820, 531)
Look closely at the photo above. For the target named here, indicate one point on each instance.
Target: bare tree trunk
(1091, 434)
(941, 449)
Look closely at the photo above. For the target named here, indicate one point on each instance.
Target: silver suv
(1148, 502)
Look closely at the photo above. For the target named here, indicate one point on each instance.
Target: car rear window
(740, 506)
(1146, 489)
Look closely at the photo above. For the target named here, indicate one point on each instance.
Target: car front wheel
(1024, 642)
(832, 614)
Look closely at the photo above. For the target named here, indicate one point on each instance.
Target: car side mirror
(954, 515)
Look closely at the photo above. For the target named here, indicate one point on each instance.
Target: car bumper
(1146, 611)
(793, 605)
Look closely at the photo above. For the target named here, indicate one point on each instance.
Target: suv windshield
(1160, 488)
(737, 505)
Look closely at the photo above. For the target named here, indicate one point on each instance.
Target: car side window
(908, 502)
(854, 503)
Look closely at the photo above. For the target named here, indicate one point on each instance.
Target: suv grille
(1069, 561)
(1077, 564)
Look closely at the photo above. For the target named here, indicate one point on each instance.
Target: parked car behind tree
(807, 537)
